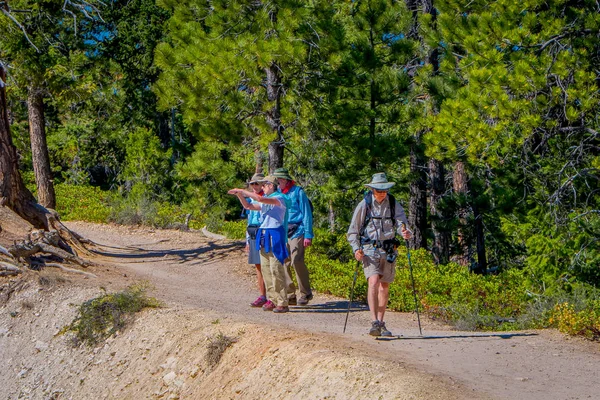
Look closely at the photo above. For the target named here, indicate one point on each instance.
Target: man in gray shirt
(372, 235)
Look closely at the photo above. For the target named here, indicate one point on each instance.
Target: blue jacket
(300, 212)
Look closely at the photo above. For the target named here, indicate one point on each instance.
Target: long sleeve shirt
(380, 226)
(300, 213)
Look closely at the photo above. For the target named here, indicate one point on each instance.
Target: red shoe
(281, 309)
(268, 306)
(259, 302)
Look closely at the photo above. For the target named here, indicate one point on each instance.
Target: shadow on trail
(210, 252)
(482, 335)
(329, 307)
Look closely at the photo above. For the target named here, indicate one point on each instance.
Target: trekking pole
(412, 279)
(351, 294)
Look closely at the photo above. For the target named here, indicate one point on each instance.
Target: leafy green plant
(103, 316)
(82, 203)
(234, 229)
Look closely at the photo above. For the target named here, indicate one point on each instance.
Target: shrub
(233, 229)
(103, 316)
(216, 347)
(584, 322)
(81, 203)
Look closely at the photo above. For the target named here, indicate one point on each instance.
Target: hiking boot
(281, 309)
(292, 300)
(384, 331)
(304, 299)
(259, 302)
(375, 329)
(268, 306)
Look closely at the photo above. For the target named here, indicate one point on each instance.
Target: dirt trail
(192, 271)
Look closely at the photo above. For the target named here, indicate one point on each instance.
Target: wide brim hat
(269, 179)
(256, 178)
(380, 182)
(282, 173)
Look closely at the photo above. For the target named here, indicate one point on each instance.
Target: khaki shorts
(374, 263)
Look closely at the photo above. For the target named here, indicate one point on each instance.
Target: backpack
(369, 216)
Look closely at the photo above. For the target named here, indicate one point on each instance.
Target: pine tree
(232, 68)
(525, 99)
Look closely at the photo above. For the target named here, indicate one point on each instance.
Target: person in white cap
(271, 239)
(372, 235)
(254, 222)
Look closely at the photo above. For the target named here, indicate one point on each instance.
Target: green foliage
(103, 316)
(140, 207)
(82, 203)
(234, 229)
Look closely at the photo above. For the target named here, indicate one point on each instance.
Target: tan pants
(274, 277)
(296, 249)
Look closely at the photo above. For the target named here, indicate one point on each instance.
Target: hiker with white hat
(372, 235)
(271, 239)
(254, 221)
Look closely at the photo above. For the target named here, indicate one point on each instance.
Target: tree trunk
(273, 86)
(441, 237)
(480, 242)
(461, 190)
(259, 159)
(13, 192)
(331, 217)
(417, 206)
(39, 148)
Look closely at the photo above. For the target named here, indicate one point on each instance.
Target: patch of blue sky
(392, 37)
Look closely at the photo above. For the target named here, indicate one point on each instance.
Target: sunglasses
(380, 191)
(254, 183)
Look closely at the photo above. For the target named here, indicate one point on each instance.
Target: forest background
(485, 114)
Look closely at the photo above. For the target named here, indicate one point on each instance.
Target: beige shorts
(374, 263)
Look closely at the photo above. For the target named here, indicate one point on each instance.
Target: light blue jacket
(300, 212)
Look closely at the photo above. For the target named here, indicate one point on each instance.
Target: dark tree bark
(417, 206)
(274, 89)
(441, 237)
(481, 267)
(39, 148)
(13, 193)
(461, 191)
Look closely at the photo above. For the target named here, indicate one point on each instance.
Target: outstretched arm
(242, 195)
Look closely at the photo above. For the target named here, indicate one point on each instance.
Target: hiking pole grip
(412, 279)
(351, 294)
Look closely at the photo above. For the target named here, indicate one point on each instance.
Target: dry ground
(206, 287)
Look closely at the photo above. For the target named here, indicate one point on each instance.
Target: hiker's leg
(387, 277)
(278, 273)
(297, 260)
(289, 282)
(260, 280)
(268, 278)
(382, 300)
(373, 295)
